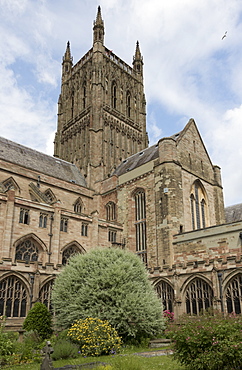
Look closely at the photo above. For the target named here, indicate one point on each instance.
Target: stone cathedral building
(106, 187)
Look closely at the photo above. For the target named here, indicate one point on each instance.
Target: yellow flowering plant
(94, 337)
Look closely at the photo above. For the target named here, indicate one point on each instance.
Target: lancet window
(166, 294)
(199, 212)
(233, 295)
(140, 224)
(110, 211)
(43, 220)
(114, 95)
(128, 104)
(24, 216)
(13, 297)
(199, 296)
(45, 294)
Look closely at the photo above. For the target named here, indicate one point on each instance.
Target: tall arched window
(114, 95)
(27, 251)
(140, 224)
(84, 95)
(199, 211)
(128, 104)
(233, 294)
(199, 296)
(45, 294)
(13, 297)
(110, 211)
(166, 294)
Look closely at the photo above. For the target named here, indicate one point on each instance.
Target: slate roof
(40, 162)
(137, 160)
(233, 213)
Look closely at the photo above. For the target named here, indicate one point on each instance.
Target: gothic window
(166, 294)
(43, 220)
(112, 236)
(24, 216)
(84, 99)
(64, 224)
(199, 296)
(198, 206)
(10, 184)
(128, 104)
(110, 211)
(78, 206)
(45, 294)
(84, 229)
(114, 95)
(27, 251)
(140, 225)
(233, 295)
(69, 252)
(50, 195)
(13, 297)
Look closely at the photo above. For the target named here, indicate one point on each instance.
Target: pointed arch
(110, 211)
(29, 248)
(14, 296)
(140, 223)
(128, 104)
(233, 293)
(70, 250)
(198, 295)
(114, 94)
(165, 292)
(78, 205)
(45, 292)
(199, 206)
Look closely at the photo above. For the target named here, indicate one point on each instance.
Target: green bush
(94, 337)
(110, 284)
(208, 342)
(39, 320)
(64, 349)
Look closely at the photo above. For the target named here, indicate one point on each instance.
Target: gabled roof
(137, 160)
(40, 162)
(233, 213)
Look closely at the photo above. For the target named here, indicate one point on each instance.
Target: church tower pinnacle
(138, 60)
(98, 28)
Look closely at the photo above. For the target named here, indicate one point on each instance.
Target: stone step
(159, 342)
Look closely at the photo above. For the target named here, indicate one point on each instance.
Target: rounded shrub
(64, 349)
(39, 320)
(110, 284)
(94, 337)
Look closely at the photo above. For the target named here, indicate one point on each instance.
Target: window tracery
(78, 206)
(199, 212)
(233, 294)
(166, 294)
(110, 211)
(45, 294)
(199, 296)
(140, 224)
(13, 297)
(27, 251)
(69, 252)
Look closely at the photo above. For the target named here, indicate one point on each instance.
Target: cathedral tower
(101, 109)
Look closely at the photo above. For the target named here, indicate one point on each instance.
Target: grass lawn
(127, 360)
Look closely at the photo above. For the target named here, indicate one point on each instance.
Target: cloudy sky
(190, 69)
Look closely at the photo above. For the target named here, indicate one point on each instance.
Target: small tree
(39, 320)
(110, 284)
